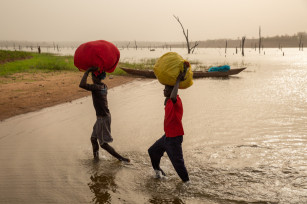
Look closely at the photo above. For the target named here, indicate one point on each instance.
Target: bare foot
(125, 160)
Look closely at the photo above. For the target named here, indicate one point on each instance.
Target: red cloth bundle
(100, 53)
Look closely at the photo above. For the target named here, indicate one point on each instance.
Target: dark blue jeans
(172, 146)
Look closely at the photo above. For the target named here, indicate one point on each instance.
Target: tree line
(280, 41)
(296, 40)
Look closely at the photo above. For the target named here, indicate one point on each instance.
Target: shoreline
(27, 92)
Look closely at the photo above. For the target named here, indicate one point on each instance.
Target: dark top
(99, 95)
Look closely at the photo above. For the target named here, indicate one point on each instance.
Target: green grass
(143, 64)
(52, 63)
(38, 63)
(7, 56)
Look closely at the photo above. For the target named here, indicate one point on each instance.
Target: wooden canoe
(140, 72)
(196, 74)
(201, 74)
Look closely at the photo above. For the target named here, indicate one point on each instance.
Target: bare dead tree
(300, 43)
(186, 35)
(243, 40)
(226, 47)
(136, 47)
(259, 38)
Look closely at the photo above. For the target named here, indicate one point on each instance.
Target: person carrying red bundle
(102, 128)
(99, 57)
(99, 53)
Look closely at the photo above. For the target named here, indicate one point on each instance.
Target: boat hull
(196, 74)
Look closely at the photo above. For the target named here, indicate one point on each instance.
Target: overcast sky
(148, 20)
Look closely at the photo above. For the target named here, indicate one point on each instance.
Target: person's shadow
(102, 183)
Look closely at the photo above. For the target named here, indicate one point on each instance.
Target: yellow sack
(168, 67)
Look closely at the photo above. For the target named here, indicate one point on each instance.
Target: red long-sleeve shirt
(173, 118)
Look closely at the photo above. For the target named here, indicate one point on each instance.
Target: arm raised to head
(83, 81)
(180, 77)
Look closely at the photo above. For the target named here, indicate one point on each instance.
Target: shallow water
(245, 142)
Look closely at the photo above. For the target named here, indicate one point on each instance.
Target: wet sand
(240, 146)
(26, 92)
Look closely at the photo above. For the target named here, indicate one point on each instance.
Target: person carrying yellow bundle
(168, 67)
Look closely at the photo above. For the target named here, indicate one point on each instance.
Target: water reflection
(162, 191)
(102, 183)
(160, 200)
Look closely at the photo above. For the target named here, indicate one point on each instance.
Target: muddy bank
(26, 92)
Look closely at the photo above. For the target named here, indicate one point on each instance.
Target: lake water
(245, 139)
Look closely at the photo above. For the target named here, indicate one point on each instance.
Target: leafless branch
(194, 46)
(186, 35)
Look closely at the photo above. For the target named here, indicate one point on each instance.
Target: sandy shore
(26, 92)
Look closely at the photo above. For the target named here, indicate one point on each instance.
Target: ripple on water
(218, 175)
